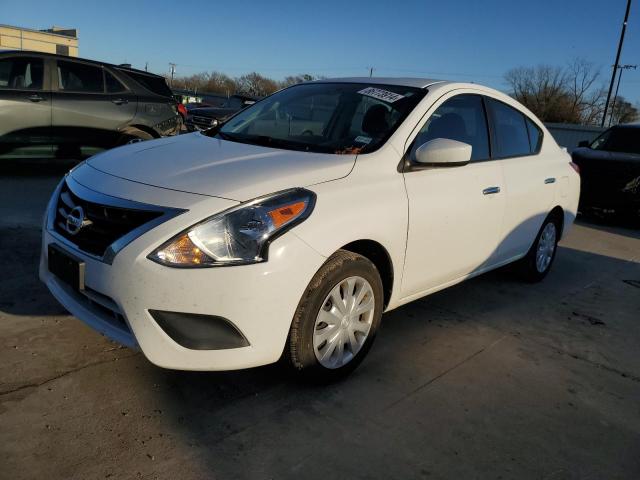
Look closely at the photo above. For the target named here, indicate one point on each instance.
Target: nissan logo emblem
(76, 220)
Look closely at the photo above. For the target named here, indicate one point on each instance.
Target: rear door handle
(549, 180)
(35, 98)
(491, 190)
(120, 101)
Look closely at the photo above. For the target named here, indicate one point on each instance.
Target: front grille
(103, 224)
(202, 121)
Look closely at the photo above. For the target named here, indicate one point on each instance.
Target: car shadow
(243, 419)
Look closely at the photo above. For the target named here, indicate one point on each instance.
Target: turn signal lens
(240, 235)
(283, 215)
(182, 251)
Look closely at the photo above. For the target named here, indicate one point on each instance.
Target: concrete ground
(489, 379)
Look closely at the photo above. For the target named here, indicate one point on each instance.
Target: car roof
(399, 81)
(86, 60)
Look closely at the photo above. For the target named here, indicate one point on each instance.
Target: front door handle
(491, 190)
(35, 98)
(120, 101)
(549, 180)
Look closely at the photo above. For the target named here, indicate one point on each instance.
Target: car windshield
(625, 140)
(343, 118)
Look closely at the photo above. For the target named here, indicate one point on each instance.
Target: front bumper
(260, 299)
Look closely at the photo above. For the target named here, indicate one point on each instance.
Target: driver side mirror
(443, 152)
(583, 143)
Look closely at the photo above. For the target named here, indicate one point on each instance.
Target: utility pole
(173, 71)
(370, 72)
(617, 62)
(615, 97)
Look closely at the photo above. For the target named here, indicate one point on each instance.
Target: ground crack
(63, 374)
(442, 374)
(575, 356)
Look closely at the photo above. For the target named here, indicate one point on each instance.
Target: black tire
(528, 267)
(299, 351)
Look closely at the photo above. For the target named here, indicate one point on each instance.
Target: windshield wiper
(226, 136)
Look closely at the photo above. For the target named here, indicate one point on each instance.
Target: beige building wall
(16, 38)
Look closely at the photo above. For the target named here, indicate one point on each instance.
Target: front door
(25, 108)
(455, 213)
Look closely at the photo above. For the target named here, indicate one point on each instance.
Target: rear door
(529, 176)
(90, 106)
(25, 108)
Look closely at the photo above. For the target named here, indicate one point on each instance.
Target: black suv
(70, 108)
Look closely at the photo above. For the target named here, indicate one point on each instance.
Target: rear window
(510, 130)
(113, 84)
(153, 83)
(535, 136)
(78, 77)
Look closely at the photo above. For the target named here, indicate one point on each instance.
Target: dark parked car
(610, 171)
(203, 118)
(58, 106)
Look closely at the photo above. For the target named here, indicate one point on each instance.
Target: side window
(78, 77)
(510, 130)
(460, 118)
(21, 73)
(113, 84)
(535, 136)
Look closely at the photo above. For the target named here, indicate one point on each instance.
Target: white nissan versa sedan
(290, 229)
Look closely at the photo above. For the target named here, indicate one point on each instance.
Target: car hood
(195, 163)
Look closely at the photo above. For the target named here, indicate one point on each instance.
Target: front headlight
(237, 236)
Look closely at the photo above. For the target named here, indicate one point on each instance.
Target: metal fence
(568, 135)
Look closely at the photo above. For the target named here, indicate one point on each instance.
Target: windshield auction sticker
(380, 94)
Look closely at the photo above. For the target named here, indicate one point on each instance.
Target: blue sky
(462, 40)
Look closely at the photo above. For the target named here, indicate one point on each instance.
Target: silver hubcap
(343, 322)
(546, 247)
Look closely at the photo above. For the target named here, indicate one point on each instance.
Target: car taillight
(575, 167)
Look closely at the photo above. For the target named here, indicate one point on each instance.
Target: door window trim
(55, 79)
(106, 70)
(525, 117)
(406, 165)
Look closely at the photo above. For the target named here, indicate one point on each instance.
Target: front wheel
(537, 263)
(337, 318)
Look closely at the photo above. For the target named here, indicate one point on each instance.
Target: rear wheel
(537, 263)
(337, 318)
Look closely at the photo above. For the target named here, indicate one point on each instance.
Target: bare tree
(586, 101)
(556, 94)
(542, 89)
(624, 112)
(255, 84)
(295, 79)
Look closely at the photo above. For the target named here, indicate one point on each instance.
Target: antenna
(173, 71)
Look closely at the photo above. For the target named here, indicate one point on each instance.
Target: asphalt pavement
(492, 378)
